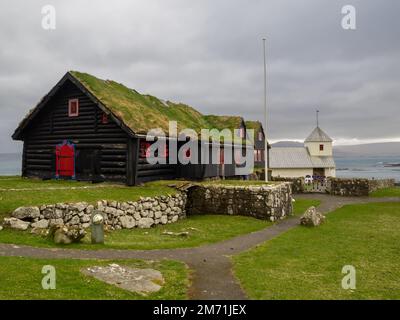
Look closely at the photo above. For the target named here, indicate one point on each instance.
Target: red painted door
(65, 160)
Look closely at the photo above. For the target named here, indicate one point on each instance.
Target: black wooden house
(90, 129)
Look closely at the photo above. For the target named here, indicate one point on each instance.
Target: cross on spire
(317, 115)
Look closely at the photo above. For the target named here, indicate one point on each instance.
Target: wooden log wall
(86, 131)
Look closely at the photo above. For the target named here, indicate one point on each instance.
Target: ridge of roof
(318, 135)
(137, 113)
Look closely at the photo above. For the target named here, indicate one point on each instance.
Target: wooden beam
(132, 161)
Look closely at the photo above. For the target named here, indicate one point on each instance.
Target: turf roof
(255, 125)
(144, 112)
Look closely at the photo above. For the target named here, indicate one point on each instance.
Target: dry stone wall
(298, 184)
(118, 215)
(356, 187)
(263, 202)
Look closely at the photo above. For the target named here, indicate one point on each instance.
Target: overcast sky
(209, 54)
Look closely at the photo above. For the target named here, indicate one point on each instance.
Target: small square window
(104, 118)
(321, 147)
(144, 149)
(73, 107)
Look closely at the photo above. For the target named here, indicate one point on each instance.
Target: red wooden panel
(65, 160)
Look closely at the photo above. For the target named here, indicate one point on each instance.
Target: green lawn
(21, 279)
(301, 205)
(16, 191)
(387, 192)
(306, 263)
(12, 199)
(204, 229)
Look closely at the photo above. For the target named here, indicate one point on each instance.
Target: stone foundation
(262, 202)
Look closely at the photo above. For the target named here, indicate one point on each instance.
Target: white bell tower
(318, 142)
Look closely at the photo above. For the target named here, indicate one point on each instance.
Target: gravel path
(211, 265)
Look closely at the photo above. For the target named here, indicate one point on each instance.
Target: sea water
(346, 167)
(10, 164)
(368, 167)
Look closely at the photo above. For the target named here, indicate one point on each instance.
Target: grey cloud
(209, 54)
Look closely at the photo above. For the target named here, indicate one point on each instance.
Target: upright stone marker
(97, 227)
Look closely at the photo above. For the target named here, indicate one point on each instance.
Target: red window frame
(73, 107)
(321, 147)
(144, 149)
(104, 118)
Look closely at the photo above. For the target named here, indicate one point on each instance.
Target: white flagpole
(265, 113)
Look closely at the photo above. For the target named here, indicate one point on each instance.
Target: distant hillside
(363, 150)
(371, 150)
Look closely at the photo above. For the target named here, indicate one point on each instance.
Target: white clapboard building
(314, 159)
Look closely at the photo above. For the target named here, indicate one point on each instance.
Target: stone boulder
(312, 218)
(26, 213)
(142, 281)
(17, 224)
(127, 222)
(67, 235)
(41, 224)
(145, 223)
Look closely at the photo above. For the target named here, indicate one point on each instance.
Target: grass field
(387, 192)
(21, 279)
(202, 230)
(16, 192)
(301, 205)
(306, 263)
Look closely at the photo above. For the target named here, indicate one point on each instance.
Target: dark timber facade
(102, 147)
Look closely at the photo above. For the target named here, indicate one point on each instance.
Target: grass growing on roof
(144, 112)
(306, 263)
(21, 279)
